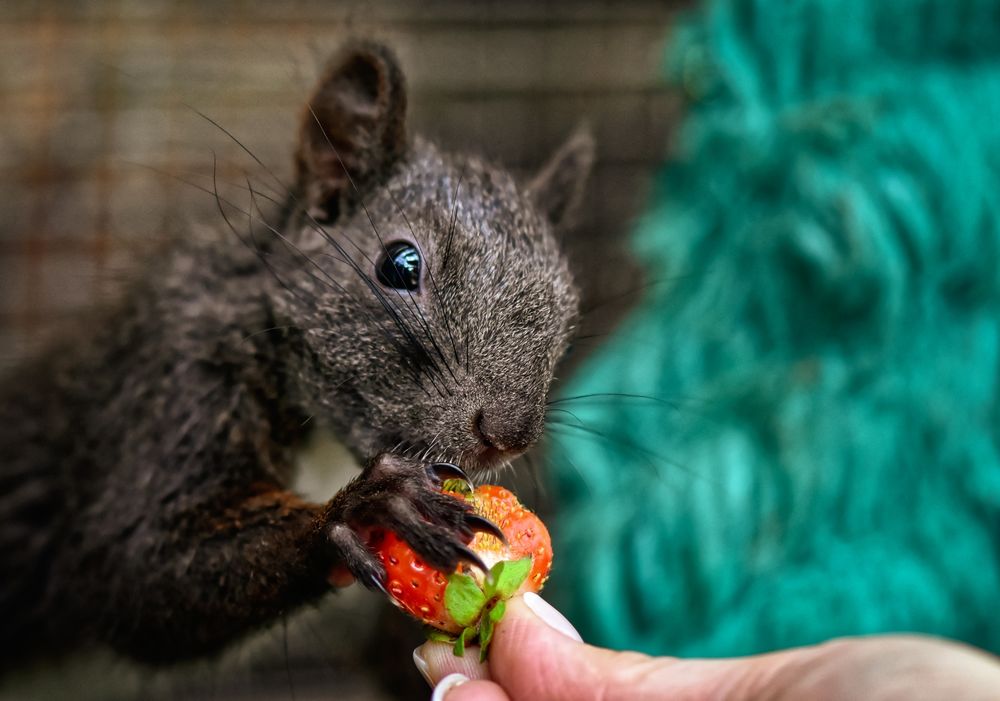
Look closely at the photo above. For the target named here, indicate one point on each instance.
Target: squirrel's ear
(558, 187)
(353, 128)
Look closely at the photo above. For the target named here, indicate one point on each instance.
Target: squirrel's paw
(404, 496)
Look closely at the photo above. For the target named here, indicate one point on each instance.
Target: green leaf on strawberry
(479, 608)
(487, 625)
(438, 636)
(506, 577)
(466, 634)
(463, 599)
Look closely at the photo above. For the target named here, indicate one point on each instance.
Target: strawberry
(463, 605)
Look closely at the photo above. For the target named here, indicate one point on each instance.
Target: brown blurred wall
(94, 100)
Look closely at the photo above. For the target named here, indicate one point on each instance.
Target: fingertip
(551, 616)
(470, 690)
(531, 623)
(447, 686)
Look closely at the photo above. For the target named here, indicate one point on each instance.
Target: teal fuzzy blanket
(820, 339)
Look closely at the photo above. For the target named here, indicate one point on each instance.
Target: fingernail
(552, 618)
(447, 684)
(422, 666)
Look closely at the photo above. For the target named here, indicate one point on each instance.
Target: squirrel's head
(429, 294)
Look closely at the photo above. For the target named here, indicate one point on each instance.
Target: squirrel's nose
(505, 431)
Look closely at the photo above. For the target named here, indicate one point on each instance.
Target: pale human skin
(538, 656)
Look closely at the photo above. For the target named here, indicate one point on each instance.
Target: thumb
(436, 660)
(537, 655)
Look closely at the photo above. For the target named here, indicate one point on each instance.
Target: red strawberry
(466, 603)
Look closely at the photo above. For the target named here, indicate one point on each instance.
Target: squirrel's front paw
(404, 496)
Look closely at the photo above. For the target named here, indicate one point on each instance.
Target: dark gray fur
(143, 485)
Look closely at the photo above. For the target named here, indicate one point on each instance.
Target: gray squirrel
(415, 301)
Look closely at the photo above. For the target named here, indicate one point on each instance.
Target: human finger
(455, 687)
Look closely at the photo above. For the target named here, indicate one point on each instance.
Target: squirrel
(414, 300)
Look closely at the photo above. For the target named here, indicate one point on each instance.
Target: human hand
(536, 655)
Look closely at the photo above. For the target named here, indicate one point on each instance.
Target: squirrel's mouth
(482, 458)
(477, 460)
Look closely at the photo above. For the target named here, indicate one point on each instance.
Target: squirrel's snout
(505, 432)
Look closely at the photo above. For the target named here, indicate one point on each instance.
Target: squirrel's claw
(374, 582)
(468, 555)
(349, 551)
(483, 525)
(440, 471)
(396, 494)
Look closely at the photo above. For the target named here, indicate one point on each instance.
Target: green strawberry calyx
(478, 608)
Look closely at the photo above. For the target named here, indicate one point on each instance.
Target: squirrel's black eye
(399, 267)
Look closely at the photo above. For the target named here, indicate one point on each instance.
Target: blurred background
(784, 423)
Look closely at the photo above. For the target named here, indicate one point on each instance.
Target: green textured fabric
(824, 325)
